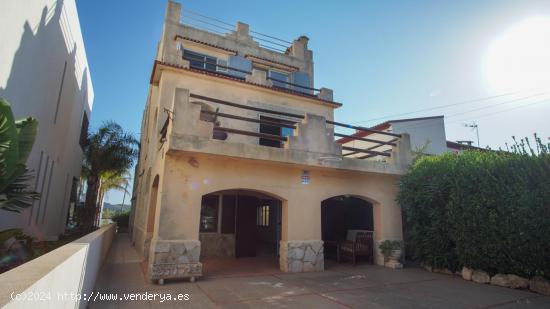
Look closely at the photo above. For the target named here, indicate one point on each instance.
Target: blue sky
(383, 59)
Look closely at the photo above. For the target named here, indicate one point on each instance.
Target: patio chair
(362, 245)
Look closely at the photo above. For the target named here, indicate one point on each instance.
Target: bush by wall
(484, 210)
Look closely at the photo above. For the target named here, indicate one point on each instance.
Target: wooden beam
(249, 133)
(391, 142)
(376, 153)
(362, 128)
(263, 110)
(282, 123)
(370, 156)
(370, 148)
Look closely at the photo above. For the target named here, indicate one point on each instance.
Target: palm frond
(17, 196)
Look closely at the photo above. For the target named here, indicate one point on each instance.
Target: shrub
(482, 209)
(387, 246)
(122, 219)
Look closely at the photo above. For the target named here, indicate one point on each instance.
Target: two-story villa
(238, 158)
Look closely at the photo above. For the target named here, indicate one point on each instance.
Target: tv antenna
(473, 126)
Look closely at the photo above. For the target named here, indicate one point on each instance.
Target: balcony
(202, 124)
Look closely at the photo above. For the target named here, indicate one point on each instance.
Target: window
(209, 214)
(84, 131)
(262, 216)
(273, 130)
(223, 66)
(278, 79)
(200, 61)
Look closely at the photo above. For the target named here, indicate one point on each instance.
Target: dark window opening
(279, 79)
(84, 131)
(72, 202)
(209, 214)
(200, 61)
(273, 130)
(262, 216)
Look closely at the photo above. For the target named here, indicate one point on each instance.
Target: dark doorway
(340, 217)
(250, 220)
(245, 242)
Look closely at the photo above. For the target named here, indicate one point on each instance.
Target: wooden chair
(362, 245)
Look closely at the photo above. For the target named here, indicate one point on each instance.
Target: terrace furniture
(360, 245)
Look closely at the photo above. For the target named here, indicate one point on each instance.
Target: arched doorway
(240, 231)
(341, 218)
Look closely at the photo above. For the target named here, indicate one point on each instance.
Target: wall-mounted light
(305, 177)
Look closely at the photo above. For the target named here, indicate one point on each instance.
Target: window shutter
(241, 63)
(302, 79)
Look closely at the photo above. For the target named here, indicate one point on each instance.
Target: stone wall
(175, 259)
(302, 256)
(217, 245)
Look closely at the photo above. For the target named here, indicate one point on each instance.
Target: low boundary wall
(58, 279)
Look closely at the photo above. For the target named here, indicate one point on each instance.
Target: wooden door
(245, 242)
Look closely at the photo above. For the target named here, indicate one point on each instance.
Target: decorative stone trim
(393, 264)
(540, 285)
(170, 259)
(467, 273)
(217, 245)
(480, 276)
(510, 281)
(536, 284)
(301, 256)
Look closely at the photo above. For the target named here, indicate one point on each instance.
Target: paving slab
(227, 290)
(469, 293)
(302, 301)
(328, 280)
(389, 297)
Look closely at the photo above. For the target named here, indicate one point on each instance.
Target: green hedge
(482, 209)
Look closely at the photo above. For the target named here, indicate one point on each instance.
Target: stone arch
(260, 191)
(271, 193)
(367, 213)
(240, 222)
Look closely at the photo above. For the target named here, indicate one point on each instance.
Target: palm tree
(109, 151)
(111, 181)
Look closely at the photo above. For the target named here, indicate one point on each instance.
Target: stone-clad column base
(301, 256)
(170, 259)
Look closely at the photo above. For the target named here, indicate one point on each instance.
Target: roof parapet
(242, 34)
(299, 49)
(173, 12)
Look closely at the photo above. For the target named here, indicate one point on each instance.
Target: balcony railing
(369, 152)
(314, 91)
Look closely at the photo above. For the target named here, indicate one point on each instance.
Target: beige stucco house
(238, 158)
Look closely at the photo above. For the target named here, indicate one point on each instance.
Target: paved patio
(342, 286)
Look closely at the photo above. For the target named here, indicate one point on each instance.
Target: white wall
(69, 270)
(429, 131)
(40, 38)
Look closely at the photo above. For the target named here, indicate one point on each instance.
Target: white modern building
(44, 73)
(427, 134)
